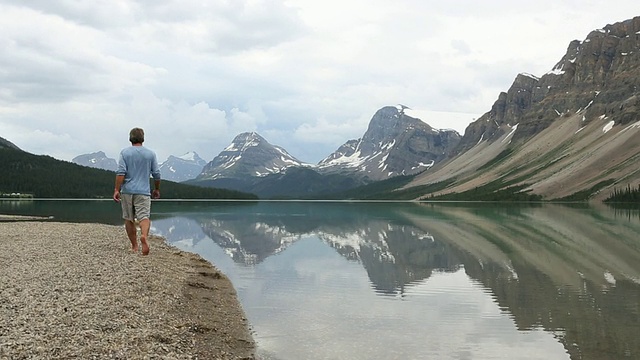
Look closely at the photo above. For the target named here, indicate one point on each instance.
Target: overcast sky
(308, 75)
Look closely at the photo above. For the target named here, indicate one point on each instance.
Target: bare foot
(145, 246)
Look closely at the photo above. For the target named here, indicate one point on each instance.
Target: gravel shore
(76, 291)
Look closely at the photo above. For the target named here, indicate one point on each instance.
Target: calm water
(413, 281)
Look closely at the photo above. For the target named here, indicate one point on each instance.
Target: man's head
(136, 136)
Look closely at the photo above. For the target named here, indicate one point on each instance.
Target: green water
(412, 281)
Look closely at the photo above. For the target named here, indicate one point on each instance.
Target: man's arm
(155, 173)
(116, 191)
(156, 189)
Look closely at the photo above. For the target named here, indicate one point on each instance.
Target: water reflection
(16, 204)
(393, 254)
(572, 272)
(575, 273)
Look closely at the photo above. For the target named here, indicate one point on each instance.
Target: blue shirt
(137, 163)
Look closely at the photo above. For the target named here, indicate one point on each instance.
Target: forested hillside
(45, 177)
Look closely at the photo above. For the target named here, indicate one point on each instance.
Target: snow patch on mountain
(557, 70)
(513, 130)
(608, 127)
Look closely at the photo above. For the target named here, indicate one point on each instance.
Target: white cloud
(306, 75)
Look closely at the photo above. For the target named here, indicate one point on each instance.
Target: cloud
(461, 46)
(57, 61)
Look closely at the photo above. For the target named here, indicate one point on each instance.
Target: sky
(307, 75)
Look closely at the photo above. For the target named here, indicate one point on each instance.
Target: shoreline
(22, 218)
(71, 290)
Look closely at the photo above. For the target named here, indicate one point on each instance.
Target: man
(135, 165)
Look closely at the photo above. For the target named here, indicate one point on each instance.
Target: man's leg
(142, 205)
(128, 214)
(132, 233)
(145, 224)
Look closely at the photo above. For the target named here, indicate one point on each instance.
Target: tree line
(627, 194)
(45, 177)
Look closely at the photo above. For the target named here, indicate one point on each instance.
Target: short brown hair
(136, 136)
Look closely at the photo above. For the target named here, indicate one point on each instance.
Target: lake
(384, 280)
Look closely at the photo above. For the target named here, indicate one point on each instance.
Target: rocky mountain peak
(388, 123)
(394, 144)
(248, 139)
(98, 160)
(250, 155)
(182, 168)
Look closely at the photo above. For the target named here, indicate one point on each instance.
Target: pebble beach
(77, 291)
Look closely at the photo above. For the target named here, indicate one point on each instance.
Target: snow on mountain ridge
(190, 156)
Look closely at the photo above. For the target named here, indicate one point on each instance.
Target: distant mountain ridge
(6, 144)
(175, 168)
(98, 160)
(182, 168)
(40, 177)
(394, 144)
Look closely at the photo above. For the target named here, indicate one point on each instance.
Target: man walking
(135, 165)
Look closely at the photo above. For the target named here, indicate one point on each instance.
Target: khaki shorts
(135, 206)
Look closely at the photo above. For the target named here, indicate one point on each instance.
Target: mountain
(98, 160)
(251, 164)
(248, 155)
(394, 144)
(181, 168)
(6, 144)
(572, 134)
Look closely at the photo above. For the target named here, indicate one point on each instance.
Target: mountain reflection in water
(573, 273)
